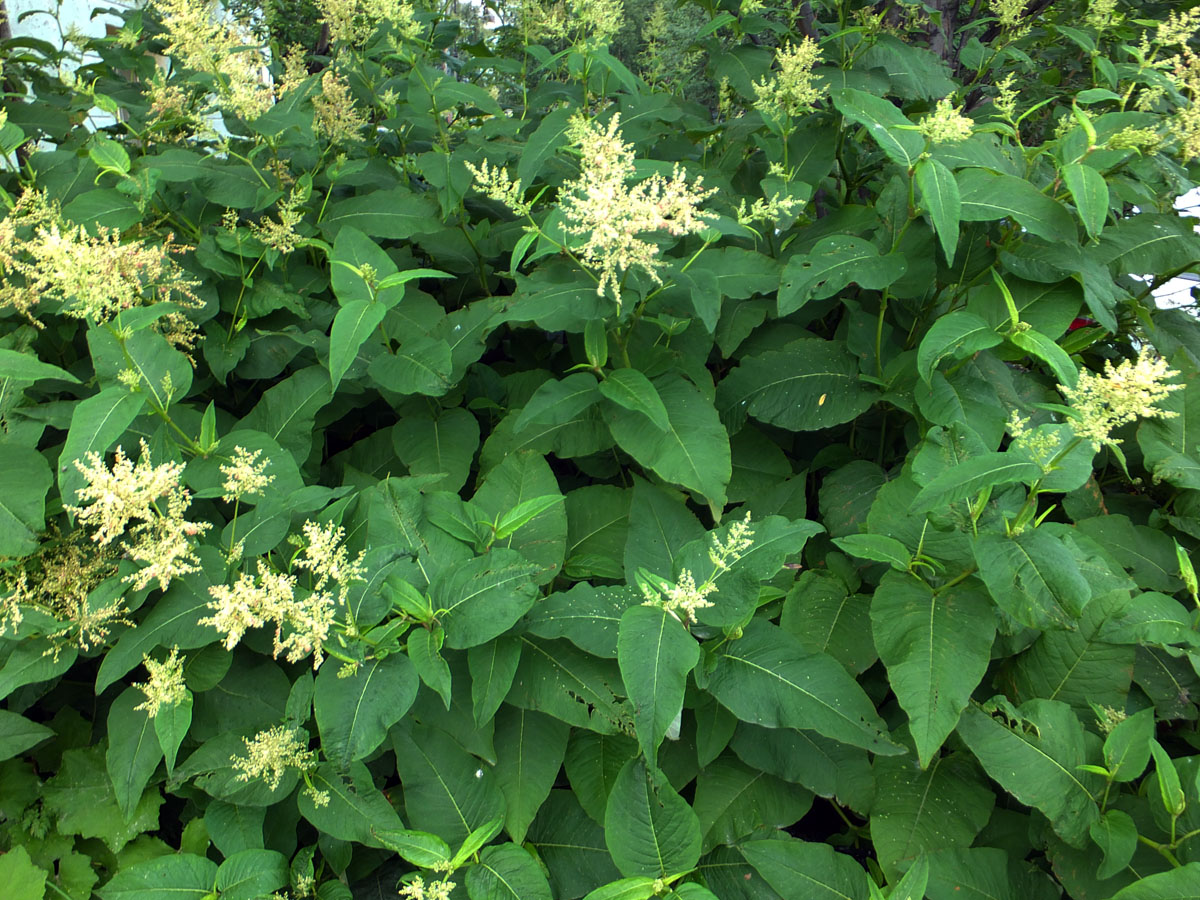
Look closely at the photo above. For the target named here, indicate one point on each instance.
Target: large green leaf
(18, 734)
(987, 196)
(287, 411)
(631, 390)
(96, 424)
(1171, 445)
(802, 869)
(767, 677)
(352, 325)
(936, 647)
(25, 478)
(694, 450)
(965, 480)
(1036, 758)
(530, 748)
(133, 750)
(959, 334)
(396, 214)
(354, 713)
(655, 653)
(176, 876)
(734, 800)
(1090, 193)
(482, 598)
(650, 830)
(939, 194)
(831, 265)
(1174, 884)
(883, 120)
(807, 386)
(506, 872)
(571, 845)
(555, 678)
(446, 791)
(353, 808)
(1033, 577)
(523, 477)
(250, 874)
(920, 811)
(660, 524)
(21, 878)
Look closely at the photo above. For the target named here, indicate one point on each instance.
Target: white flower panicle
(353, 21)
(245, 474)
(601, 204)
(1121, 394)
(946, 124)
(162, 538)
(494, 182)
(417, 889)
(324, 556)
(165, 687)
(791, 91)
(270, 753)
(685, 598)
(740, 539)
(250, 602)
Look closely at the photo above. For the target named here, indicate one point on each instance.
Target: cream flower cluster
(1119, 395)
(302, 621)
(417, 889)
(270, 753)
(685, 598)
(338, 119)
(112, 498)
(200, 37)
(791, 91)
(353, 21)
(245, 474)
(601, 204)
(165, 687)
(94, 276)
(946, 124)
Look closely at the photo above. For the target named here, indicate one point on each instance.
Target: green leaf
(959, 334)
(660, 524)
(631, 390)
(446, 791)
(655, 653)
(556, 402)
(1090, 193)
(476, 839)
(808, 386)
(1169, 443)
(1116, 834)
(555, 678)
(33, 661)
(1173, 884)
(939, 195)
(287, 411)
(694, 450)
(571, 845)
(428, 851)
(550, 134)
(133, 750)
(420, 365)
(104, 207)
(1033, 577)
(353, 324)
(25, 477)
(1150, 243)
(179, 876)
(965, 480)
(506, 872)
(650, 830)
(397, 214)
(492, 666)
(18, 734)
(529, 751)
(482, 598)
(1037, 344)
(987, 197)
(831, 265)
(108, 154)
(766, 677)
(523, 513)
(22, 880)
(733, 801)
(801, 869)
(522, 476)
(877, 547)
(171, 726)
(936, 647)
(1036, 758)
(355, 713)
(82, 799)
(356, 810)
(1127, 746)
(1170, 791)
(250, 874)
(921, 811)
(96, 424)
(637, 888)
(445, 444)
(424, 650)
(25, 367)
(890, 128)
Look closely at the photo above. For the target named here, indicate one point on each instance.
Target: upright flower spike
(946, 124)
(245, 475)
(165, 687)
(792, 90)
(600, 204)
(1119, 395)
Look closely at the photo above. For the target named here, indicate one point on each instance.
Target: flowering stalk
(686, 597)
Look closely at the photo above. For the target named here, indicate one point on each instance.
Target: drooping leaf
(650, 830)
(354, 713)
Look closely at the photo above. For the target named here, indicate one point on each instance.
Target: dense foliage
(738, 456)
